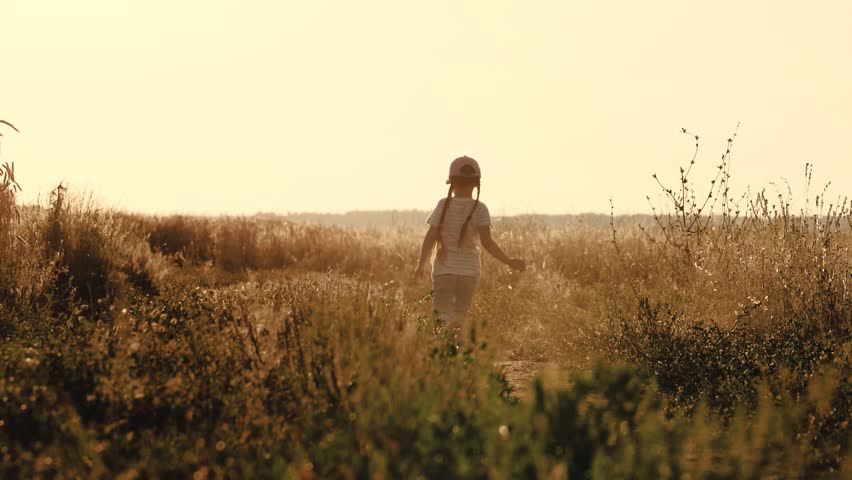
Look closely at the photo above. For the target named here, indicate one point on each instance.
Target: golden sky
(201, 106)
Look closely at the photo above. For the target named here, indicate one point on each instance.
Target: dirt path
(521, 373)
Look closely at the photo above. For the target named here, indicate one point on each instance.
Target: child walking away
(454, 226)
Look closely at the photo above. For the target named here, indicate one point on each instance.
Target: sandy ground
(521, 373)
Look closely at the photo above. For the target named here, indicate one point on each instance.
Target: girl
(454, 226)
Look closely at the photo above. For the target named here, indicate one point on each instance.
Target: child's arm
(429, 242)
(491, 247)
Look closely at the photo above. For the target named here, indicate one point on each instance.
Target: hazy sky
(237, 107)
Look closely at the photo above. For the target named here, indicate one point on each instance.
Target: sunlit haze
(239, 107)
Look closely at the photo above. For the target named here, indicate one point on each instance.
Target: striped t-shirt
(459, 259)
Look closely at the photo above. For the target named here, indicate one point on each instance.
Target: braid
(467, 220)
(441, 246)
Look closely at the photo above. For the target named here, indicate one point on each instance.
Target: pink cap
(464, 167)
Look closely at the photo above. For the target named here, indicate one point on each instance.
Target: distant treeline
(416, 218)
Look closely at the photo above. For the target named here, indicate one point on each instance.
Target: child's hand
(518, 264)
(419, 274)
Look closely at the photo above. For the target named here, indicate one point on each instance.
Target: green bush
(700, 364)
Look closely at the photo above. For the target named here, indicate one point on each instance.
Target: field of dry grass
(703, 344)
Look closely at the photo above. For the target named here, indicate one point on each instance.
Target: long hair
(469, 215)
(442, 251)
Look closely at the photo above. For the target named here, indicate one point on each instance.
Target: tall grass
(22, 274)
(755, 297)
(712, 341)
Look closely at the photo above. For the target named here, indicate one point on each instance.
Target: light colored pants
(452, 295)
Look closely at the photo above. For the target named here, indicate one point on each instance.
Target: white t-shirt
(459, 259)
